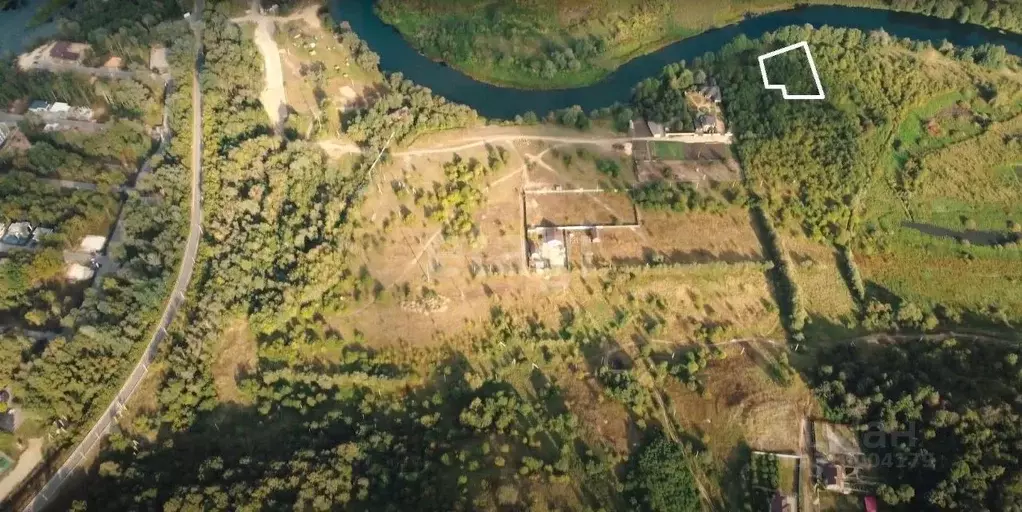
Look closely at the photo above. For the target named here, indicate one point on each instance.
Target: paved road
(91, 441)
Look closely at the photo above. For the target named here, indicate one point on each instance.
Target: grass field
(817, 272)
(944, 239)
(669, 150)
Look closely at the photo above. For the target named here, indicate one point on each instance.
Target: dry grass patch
(236, 355)
(818, 277)
(669, 237)
(578, 209)
(742, 404)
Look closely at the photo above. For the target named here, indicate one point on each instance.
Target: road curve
(91, 442)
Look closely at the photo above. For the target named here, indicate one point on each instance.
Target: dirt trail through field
(26, 463)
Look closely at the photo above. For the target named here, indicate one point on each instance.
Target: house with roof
(10, 416)
(834, 478)
(706, 123)
(783, 503)
(38, 106)
(64, 50)
(17, 234)
(15, 142)
(39, 235)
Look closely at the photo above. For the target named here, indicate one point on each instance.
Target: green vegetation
(661, 480)
(682, 197)
(454, 203)
(72, 213)
(761, 482)
(568, 43)
(948, 423)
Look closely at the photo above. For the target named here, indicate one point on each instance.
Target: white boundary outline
(784, 89)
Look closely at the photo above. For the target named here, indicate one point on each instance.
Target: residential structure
(64, 50)
(14, 142)
(17, 234)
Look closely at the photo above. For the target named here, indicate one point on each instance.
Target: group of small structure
(81, 264)
(709, 120)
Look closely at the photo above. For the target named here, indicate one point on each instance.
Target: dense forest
(566, 43)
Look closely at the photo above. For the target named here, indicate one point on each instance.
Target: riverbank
(558, 44)
(492, 101)
(18, 29)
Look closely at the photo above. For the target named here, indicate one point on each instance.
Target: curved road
(91, 441)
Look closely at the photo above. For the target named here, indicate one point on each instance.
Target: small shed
(783, 503)
(11, 419)
(15, 142)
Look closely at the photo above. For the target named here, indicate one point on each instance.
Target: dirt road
(26, 463)
(272, 97)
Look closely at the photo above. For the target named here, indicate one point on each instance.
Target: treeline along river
(396, 55)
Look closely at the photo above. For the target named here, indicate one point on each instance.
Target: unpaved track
(272, 97)
(28, 460)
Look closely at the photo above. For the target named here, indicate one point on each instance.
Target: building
(706, 123)
(39, 234)
(552, 253)
(834, 478)
(711, 92)
(62, 50)
(39, 106)
(783, 503)
(59, 109)
(10, 416)
(18, 233)
(14, 143)
(158, 60)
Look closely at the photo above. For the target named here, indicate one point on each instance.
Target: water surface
(506, 102)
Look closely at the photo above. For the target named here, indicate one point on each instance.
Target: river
(505, 102)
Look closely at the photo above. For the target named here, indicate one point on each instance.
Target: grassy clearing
(321, 78)
(831, 308)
